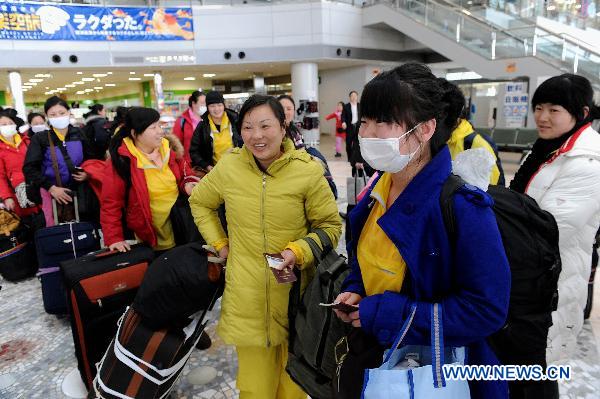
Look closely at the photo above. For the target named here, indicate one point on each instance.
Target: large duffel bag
(178, 284)
(17, 255)
(145, 363)
(100, 286)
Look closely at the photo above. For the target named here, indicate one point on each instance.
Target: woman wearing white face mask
(37, 123)
(184, 126)
(13, 147)
(39, 168)
(399, 251)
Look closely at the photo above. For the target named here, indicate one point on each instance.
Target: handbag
(416, 371)
(185, 230)
(354, 186)
(62, 212)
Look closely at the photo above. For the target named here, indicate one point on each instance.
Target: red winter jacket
(185, 135)
(11, 172)
(138, 216)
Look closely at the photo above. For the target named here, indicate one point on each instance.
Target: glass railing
(493, 42)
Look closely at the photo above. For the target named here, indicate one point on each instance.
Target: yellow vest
(162, 190)
(381, 264)
(222, 140)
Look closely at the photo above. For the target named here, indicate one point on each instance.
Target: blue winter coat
(471, 282)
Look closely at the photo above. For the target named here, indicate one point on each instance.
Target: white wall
(335, 86)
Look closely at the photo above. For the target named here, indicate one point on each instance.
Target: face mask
(23, 128)
(38, 128)
(8, 131)
(202, 110)
(61, 122)
(384, 154)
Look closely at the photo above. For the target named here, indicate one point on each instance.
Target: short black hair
(341, 103)
(572, 92)
(411, 94)
(194, 97)
(33, 115)
(257, 100)
(55, 100)
(286, 97)
(353, 91)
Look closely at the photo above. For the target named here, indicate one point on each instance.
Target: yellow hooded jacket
(457, 141)
(266, 213)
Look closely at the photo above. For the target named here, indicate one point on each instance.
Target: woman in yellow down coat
(274, 195)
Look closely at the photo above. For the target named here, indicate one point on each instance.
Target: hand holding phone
(341, 306)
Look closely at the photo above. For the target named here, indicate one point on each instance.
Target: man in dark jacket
(215, 135)
(351, 123)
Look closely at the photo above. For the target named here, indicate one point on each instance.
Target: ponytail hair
(94, 110)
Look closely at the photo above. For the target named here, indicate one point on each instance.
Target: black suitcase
(57, 244)
(17, 255)
(100, 286)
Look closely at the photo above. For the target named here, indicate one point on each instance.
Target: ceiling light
(47, 93)
(88, 90)
(61, 88)
(43, 75)
(100, 75)
(98, 88)
(110, 85)
(149, 74)
(132, 73)
(109, 73)
(80, 92)
(189, 78)
(79, 73)
(47, 88)
(135, 78)
(88, 79)
(209, 75)
(78, 83)
(36, 80)
(70, 85)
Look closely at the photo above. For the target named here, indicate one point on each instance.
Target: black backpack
(468, 143)
(315, 330)
(530, 238)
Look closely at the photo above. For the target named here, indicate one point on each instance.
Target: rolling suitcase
(145, 363)
(100, 286)
(57, 244)
(17, 255)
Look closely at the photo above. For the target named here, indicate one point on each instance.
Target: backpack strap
(54, 159)
(451, 186)
(182, 123)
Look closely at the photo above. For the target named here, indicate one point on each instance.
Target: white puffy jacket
(568, 186)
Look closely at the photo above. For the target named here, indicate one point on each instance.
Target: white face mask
(38, 128)
(202, 110)
(8, 131)
(23, 128)
(384, 154)
(61, 122)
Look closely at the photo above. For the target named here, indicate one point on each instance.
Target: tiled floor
(36, 349)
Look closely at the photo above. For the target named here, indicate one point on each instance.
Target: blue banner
(35, 21)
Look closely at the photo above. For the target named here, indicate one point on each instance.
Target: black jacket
(36, 164)
(347, 115)
(97, 131)
(201, 147)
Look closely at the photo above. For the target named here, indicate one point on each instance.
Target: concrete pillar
(16, 91)
(159, 96)
(259, 84)
(305, 90)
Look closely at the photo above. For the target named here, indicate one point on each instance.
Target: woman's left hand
(289, 259)
(189, 187)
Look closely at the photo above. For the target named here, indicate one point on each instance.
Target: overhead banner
(34, 21)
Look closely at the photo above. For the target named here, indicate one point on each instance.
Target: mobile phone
(79, 170)
(341, 306)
